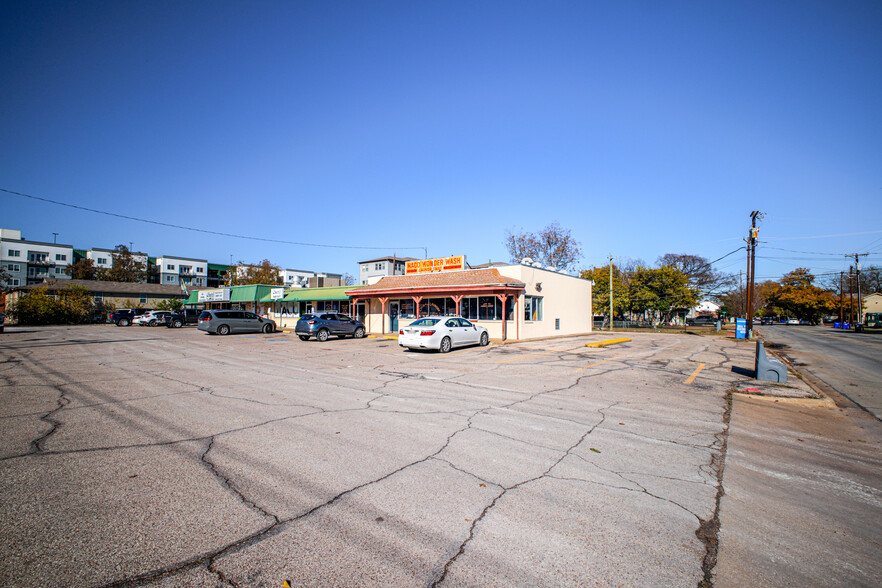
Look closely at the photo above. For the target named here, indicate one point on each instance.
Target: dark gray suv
(325, 324)
(224, 322)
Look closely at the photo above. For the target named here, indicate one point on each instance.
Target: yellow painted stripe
(607, 342)
(691, 378)
(597, 363)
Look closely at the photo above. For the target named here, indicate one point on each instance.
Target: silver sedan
(442, 333)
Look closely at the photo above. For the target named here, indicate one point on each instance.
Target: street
(849, 363)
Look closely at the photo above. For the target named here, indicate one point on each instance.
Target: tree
(35, 307)
(600, 291)
(84, 269)
(553, 246)
(797, 296)
(76, 304)
(126, 267)
(698, 271)
(348, 280)
(173, 304)
(5, 278)
(263, 273)
(661, 290)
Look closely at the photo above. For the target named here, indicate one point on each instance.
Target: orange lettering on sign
(435, 265)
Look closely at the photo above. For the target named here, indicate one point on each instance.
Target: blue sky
(644, 127)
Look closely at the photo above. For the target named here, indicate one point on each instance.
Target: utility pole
(610, 294)
(851, 294)
(751, 267)
(840, 296)
(857, 264)
(741, 300)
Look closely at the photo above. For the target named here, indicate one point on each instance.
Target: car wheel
(151, 324)
(223, 330)
(359, 333)
(445, 345)
(322, 335)
(304, 337)
(485, 339)
(178, 324)
(123, 322)
(267, 328)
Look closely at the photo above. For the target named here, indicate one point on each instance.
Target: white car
(152, 318)
(793, 321)
(442, 333)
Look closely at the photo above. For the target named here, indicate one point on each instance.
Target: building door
(393, 316)
(359, 311)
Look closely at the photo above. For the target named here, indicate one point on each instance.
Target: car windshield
(424, 322)
(307, 317)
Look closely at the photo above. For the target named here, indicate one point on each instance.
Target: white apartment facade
(370, 270)
(103, 258)
(31, 262)
(181, 271)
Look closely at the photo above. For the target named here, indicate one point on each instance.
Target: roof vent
(537, 264)
(551, 268)
(527, 260)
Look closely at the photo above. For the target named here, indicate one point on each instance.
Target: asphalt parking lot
(171, 457)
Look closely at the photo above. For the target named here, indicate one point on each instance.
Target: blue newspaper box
(741, 328)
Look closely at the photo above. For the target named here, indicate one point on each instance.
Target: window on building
(99, 298)
(379, 266)
(60, 257)
(13, 267)
(14, 253)
(364, 268)
(169, 278)
(170, 266)
(102, 261)
(143, 298)
(199, 270)
(37, 257)
(485, 308)
(15, 282)
(406, 309)
(532, 308)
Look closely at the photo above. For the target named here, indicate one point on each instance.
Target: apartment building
(182, 271)
(293, 278)
(31, 262)
(103, 258)
(381, 267)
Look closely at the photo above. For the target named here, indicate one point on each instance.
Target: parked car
(185, 316)
(700, 321)
(442, 333)
(766, 320)
(323, 325)
(224, 322)
(793, 321)
(152, 318)
(2, 320)
(123, 317)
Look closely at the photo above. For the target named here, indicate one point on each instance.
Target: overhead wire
(198, 230)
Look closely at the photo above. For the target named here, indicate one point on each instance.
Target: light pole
(55, 238)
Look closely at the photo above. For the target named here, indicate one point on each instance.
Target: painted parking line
(697, 371)
(596, 363)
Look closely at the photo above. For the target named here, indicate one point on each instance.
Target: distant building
(380, 267)
(118, 294)
(704, 308)
(183, 271)
(103, 258)
(31, 262)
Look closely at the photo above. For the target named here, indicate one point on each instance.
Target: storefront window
(437, 307)
(532, 308)
(485, 308)
(406, 309)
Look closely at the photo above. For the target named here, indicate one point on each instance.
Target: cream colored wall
(872, 303)
(563, 297)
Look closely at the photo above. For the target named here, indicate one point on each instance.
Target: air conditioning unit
(527, 261)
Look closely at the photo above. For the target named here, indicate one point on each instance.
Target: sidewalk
(803, 496)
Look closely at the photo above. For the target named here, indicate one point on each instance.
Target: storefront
(237, 297)
(286, 307)
(513, 301)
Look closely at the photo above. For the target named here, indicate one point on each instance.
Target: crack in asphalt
(229, 484)
(273, 529)
(37, 444)
(506, 489)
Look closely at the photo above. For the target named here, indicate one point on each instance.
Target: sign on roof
(277, 293)
(222, 295)
(440, 264)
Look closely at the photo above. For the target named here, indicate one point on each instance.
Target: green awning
(251, 293)
(193, 299)
(314, 294)
(218, 267)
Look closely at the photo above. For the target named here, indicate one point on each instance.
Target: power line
(198, 230)
(825, 236)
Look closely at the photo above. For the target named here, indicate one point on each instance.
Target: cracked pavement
(139, 456)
